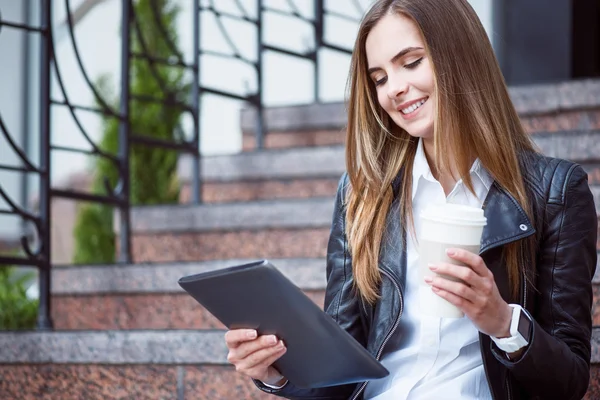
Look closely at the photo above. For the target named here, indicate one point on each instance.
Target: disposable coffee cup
(445, 226)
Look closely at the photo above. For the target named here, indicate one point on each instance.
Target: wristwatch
(520, 331)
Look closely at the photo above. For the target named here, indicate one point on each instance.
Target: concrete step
(314, 172)
(573, 105)
(167, 364)
(147, 296)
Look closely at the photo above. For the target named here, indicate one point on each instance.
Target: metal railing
(36, 244)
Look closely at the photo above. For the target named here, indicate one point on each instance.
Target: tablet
(258, 296)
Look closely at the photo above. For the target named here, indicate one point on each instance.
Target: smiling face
(402, 74)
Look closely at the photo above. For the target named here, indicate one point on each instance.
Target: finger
(459, 272)
(235, 337)
(262, 369)
(247, 348)
(458, 289)
(458, 301)
(261, 358)
(471, 259)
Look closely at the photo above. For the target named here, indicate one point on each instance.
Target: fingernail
(280, 345)
(272, 339)
(432, 267)
(251, 334)
(450, 252)
(435, 289)
(428, 279)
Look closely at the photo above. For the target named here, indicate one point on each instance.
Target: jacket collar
(506, 222)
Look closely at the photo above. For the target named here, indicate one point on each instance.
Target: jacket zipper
(390, 333)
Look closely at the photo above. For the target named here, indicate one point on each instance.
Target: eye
(380, 81)
(414, 64)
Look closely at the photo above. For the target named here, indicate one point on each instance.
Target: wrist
(506, 318)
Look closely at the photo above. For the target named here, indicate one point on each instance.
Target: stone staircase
(129, 331)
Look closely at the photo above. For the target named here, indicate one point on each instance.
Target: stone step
(255, 230)
(287, 173)
(147, 296)
(573, 105)
(314, 172)
(117, 382)
(165, 364)
(117, 365)
(297, 228)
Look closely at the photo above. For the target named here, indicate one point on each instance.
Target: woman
(430, 121)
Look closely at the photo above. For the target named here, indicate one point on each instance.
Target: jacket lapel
(506, 220)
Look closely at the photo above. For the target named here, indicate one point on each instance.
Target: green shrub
(153, 178)
(17, 311)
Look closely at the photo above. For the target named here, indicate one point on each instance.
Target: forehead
(391, 34)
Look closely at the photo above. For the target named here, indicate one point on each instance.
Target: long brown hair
(467, 77)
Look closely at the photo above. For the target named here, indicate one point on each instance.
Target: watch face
(524, 327)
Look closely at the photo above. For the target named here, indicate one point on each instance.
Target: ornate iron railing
(36, 244)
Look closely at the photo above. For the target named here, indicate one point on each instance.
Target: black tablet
(258, 296)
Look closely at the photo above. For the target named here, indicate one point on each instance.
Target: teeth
(412, 108)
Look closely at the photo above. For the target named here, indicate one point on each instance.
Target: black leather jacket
(556, 363)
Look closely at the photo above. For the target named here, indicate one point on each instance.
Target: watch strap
(515, 341)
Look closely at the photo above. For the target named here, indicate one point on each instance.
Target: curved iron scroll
(49, 69)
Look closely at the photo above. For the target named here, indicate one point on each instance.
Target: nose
(396, 86)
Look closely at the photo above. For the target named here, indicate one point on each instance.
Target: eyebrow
(399, 55)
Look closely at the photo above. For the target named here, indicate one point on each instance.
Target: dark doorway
(586, 39)
(545, 41)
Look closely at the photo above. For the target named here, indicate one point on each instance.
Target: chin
(423, 133)
(424, 137)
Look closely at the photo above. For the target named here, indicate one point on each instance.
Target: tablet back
(258, 296)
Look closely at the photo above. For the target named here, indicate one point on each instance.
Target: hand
(254, 355)
(476, 293)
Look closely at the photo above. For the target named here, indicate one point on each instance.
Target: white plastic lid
(455, 214)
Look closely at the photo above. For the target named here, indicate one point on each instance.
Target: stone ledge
(577, 146)
(316, 162)
(295, 214)
(306, 117)
(528, 100)
(113, 347)
(548, 98)
(132, 347)
(307, 274)
(329, 161)
(277, 214)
